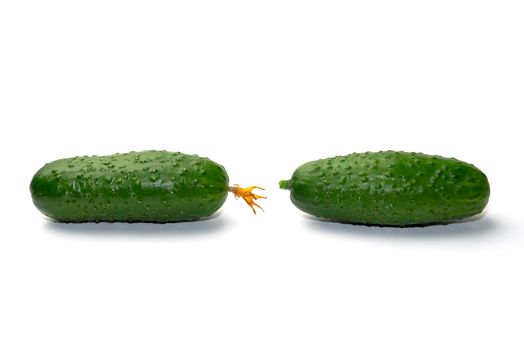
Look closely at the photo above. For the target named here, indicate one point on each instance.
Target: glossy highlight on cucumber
(389, 188)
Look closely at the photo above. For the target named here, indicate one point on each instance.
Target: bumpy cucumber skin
(389, 188)
(149, 186)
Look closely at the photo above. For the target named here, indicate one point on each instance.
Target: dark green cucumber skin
(389, 188)
(148, 186)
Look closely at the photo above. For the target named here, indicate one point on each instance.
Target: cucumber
(148, 186)
(389, 188)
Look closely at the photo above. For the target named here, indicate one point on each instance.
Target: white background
(261, 87)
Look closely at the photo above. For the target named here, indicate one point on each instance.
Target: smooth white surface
(261, 87)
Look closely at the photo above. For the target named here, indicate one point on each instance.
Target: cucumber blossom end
(246, 193)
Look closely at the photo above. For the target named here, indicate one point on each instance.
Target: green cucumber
(389, 189)
(148, 186)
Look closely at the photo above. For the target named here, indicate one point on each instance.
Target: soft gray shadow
(478, 226)
(211, 225)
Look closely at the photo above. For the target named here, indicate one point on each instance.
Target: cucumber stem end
(284, 184)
